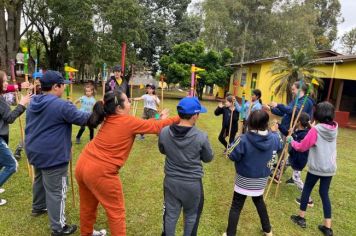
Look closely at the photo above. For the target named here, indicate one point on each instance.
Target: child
(48, 133)
(256, 104)
(185, 148)
(86, 104)
(151, 101)
(100, 161)
(8, 164)
(252, 154)
(298, 160)
(321, 143)
(226, 130)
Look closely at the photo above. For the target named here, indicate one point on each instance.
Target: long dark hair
(105, 108)
(304, 119)
(258, 94)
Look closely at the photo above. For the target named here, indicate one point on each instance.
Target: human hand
(220, 105)
(25, 85)
(273, 104)
(312, 124)
(25, 99)
(164, 114)
(289, 139)
(266, 108)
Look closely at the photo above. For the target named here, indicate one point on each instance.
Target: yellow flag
(70, 69)
(197, 69)
(314, 81)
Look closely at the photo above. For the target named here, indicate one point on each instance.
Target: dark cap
(116, 68)
(190, 106)
(53, 77)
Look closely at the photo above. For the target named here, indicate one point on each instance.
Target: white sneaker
(224, 234)
(102, 232)
(2, 190)
(2, 202)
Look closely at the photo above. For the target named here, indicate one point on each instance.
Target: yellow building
(338, 74)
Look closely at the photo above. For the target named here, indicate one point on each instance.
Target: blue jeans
(309, 184)
(7, 162)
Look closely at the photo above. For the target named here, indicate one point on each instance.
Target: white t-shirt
(150, 101)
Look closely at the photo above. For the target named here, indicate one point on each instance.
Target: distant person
(117, 82)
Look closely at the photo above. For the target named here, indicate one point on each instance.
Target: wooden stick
(228, 141)
(71, 176)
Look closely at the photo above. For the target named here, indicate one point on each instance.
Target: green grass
(142, 178)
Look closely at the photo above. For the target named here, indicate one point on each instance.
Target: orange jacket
(114, 139)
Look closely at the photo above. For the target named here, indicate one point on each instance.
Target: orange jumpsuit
(98, 165)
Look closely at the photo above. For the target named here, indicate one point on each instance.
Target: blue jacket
(287, 111)
(298, 160)
(48, 130)
(253, 155)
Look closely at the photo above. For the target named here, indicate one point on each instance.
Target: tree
(348, 41)
(328, 16)
(166, 23)
(176, 66)
(298, 65)
(10, 34)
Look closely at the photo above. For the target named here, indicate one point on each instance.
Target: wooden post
(331, 82)
(192, 85)
(339, 95)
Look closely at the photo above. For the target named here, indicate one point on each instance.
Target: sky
(348, 9)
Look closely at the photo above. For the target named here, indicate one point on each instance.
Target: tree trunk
(3, 57)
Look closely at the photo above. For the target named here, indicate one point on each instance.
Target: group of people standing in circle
(48, 131)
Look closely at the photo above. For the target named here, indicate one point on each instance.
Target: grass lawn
(142, 178)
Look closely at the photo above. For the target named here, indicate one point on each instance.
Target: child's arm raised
(72, 115)
(219, 110)
(308, 141)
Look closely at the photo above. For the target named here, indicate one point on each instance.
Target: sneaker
(268, 234)
(299, 221)
(102, 232)
(2, 190)
(77, 141)
(36, 213)
(67, 230)
(224, 234)
(290, 181)
(2, 202)
(325, 230)
(17, 153)
(310, 203)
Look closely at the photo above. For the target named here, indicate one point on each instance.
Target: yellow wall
(347, 70)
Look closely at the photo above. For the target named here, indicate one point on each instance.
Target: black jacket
(124, 87)
(226, 112)
(298, 160)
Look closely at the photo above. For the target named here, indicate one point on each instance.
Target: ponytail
(258, 94)
(102, 109)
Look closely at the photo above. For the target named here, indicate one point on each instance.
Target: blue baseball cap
(190, 106)
(53, 77)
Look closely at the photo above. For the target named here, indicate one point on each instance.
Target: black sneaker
(36, 213)
(299, 221)
(325, 230)
(310, 203)
(290, 181)
(17, 153)
(67, 230)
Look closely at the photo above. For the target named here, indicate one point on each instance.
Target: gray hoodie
(322, 156)
(185, 149)
(7, 116)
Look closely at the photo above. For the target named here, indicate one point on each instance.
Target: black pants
(238, 202)
(309, 184)
(224, 133)
(81, 131)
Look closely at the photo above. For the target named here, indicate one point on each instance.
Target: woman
(102, 158)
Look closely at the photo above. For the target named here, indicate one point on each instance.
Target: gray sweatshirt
(7, 116)
(185, 149)
(322, 156)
